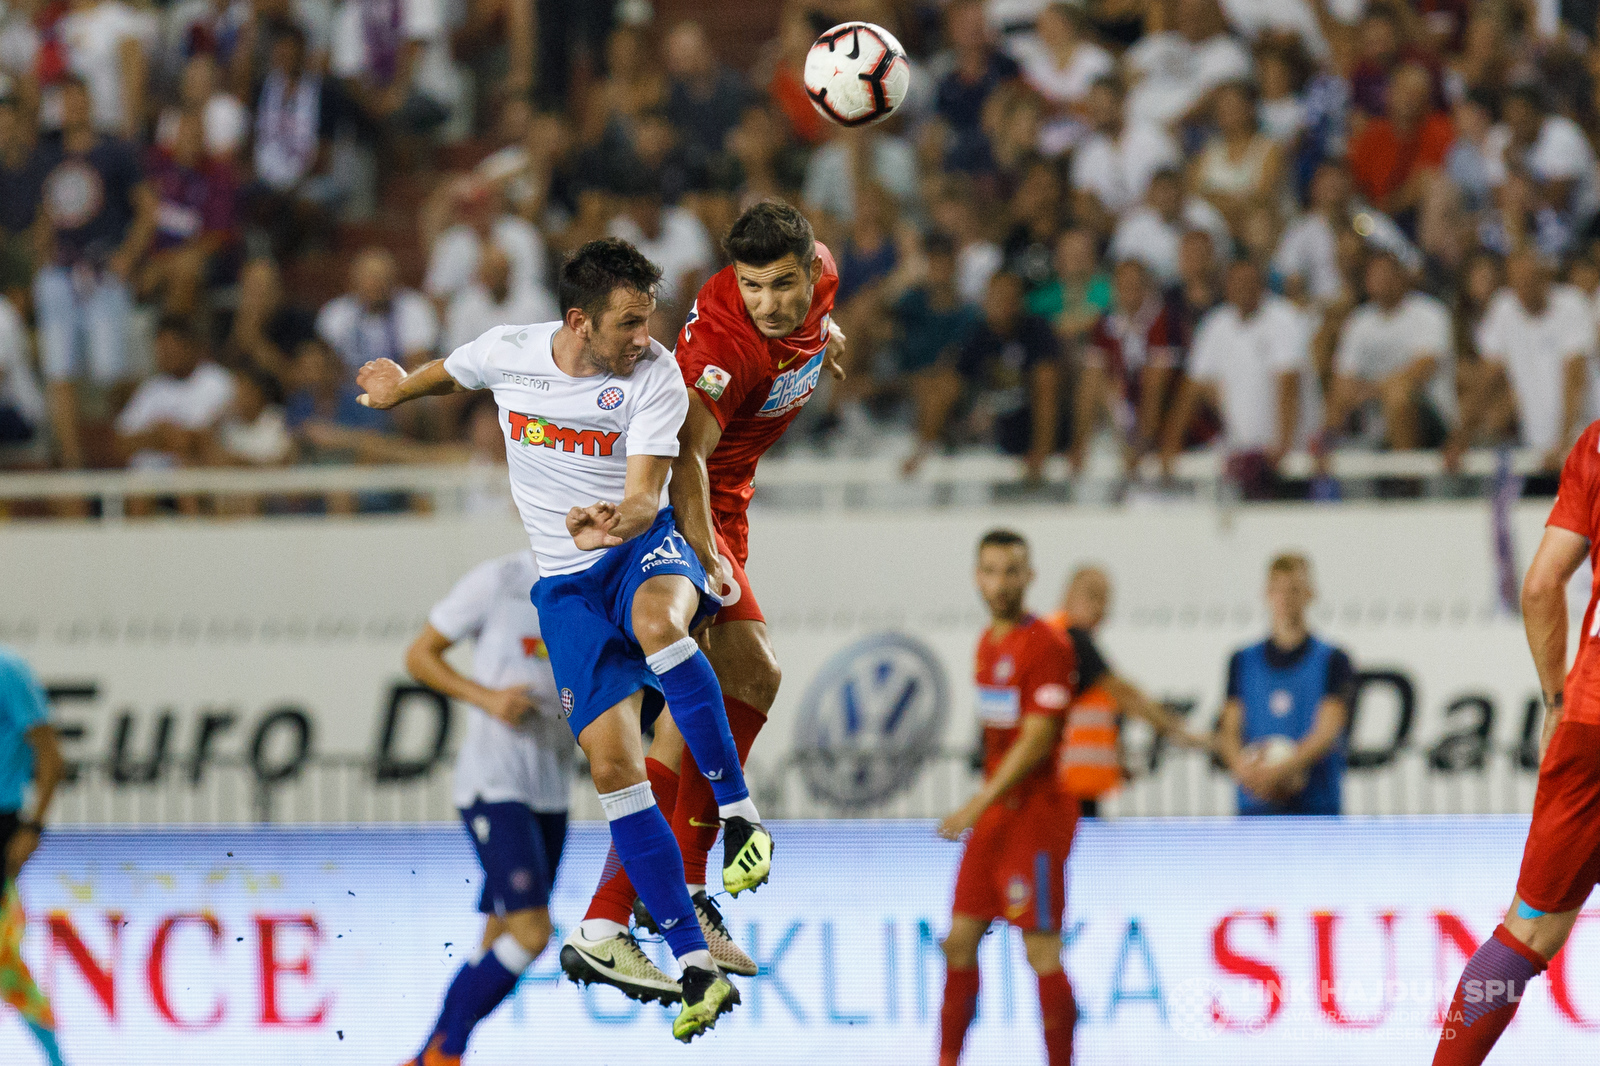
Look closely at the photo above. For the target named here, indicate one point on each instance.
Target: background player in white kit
(513, 774)
(592, 407)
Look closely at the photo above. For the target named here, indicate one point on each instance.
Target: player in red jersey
(1561, 861)
(1023, 818)
(752, 351)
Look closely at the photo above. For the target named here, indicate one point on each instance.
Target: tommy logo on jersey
(531, 429)
(534, 648)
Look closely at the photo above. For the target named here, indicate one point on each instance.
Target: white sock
(695, 888)
(512, 955)
(672, 655)
(626, 801)
(477, 955)
(701, 958)
(745, 808)
(599, 928)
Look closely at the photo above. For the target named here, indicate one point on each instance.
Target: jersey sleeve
(469, 363)
(1047, 683)
(1092, 666)
(465, 607)
(713, 362)
(659, 411)
(22, 699)
(1574, 509)
(1235, 662)
(1341, 676)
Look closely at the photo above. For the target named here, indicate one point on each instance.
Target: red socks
(1059, 1013)
(960, 1004)
(1486, 999)
(614, 898)
(694, 820)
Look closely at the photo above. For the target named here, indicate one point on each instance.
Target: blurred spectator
(1035, 214)
(377, 319)
(635, 85)
(1198, 287)
(977, 255)
(172, 414)
(1174, 69)
(1553, 152)
(100, 215)
(537, 172)
(1240, 167)
(1251, 362)
(21, 179)
(976, 69)
(1058, 62)
(1112, 168)
(769, 167)
(1079, 292)
(322, 411)
(1130, 369)
(1536, 338)
(255, 430)
(267, 329)
(492, 299)
(1009, 374)
(385, 53)
(673, 238)
(933, 325)
(1396, 363)
(1150, 232)
(22, 409)
(1394, 156)
(1381, 50)
(782, 72)
(108, 44)
(832, 174)
(1307, 259)
(1279, 70)
(704, 98)
(226, 120)
(296, 187)
(476, 220)
(197, 229)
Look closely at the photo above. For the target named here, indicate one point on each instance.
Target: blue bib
(1283, 701)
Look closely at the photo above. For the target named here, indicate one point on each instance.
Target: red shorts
(1015, 862)
(733, 544)
(1561, 861)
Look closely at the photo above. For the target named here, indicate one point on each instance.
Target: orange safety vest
(1088, 765)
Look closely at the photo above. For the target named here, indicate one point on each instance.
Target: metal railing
(797, 479)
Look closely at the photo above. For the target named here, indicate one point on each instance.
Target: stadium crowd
(1259, 225)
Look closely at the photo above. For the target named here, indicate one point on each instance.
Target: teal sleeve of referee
(22, 706)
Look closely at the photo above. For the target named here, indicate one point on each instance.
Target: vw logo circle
(870, 719)
(610, 399)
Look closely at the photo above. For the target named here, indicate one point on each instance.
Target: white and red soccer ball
(857, 74)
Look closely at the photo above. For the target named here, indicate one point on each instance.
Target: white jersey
(568, 439)
(531, 763)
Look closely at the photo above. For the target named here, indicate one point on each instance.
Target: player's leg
(663, 610)
(649, 853)
(1041, 937)
(960, 984)
(17, 986)
(613, 899)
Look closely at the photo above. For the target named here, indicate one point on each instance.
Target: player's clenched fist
(379, 381)
(591, 526)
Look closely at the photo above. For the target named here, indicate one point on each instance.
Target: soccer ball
(857, 74)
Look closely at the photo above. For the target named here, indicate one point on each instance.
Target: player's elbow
(417, 658)
(1542, 591)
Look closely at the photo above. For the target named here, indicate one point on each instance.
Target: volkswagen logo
(870, 719)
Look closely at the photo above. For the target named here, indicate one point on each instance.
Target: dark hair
(938, 243)
(178, 326)
(767, 232)
(271, 391)
(1001, 538)
(591, 273)
(288, 31)
(1528, 93)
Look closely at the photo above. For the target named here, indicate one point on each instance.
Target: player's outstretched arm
(1130, 700)
(385, 383)
(425, 661)
(606, 525)
(1544, 616)
(1039, 737)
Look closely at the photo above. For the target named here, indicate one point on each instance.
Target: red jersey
(1578, 509)
(754, 385)
(1030, 670)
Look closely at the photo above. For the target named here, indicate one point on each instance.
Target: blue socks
(695, 699)
(479, 986)
(650, 854)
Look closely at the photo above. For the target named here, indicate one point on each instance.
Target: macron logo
(665, 552)
(713, 775)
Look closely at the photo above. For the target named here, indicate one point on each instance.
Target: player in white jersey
(513, 773)
(591, 408)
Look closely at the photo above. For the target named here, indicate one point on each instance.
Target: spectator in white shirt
(108, 45)
(1308, 254)
(1112, 167)
(1553, 150)
(492, 300)
(172, 414)
(673, 238)
(1395, 359)
(978, 257)
(1057, 61)
(1537, 338)
(226, 121)
(385, 52)
(1152, 231)
(479, 219)
(1251, 361)
(830, 182)
(22, 404)
(378, 319)
(1178, 67)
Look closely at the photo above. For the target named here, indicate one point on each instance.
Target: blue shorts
(519, 850)
(587, 622)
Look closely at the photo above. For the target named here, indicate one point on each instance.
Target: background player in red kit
(1022, 819)
(1561, 861)
(752, 351)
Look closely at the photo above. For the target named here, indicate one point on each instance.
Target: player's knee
(1044, 953)
(655, 630)
(531, 928)
(613, 772)
(960, 951)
